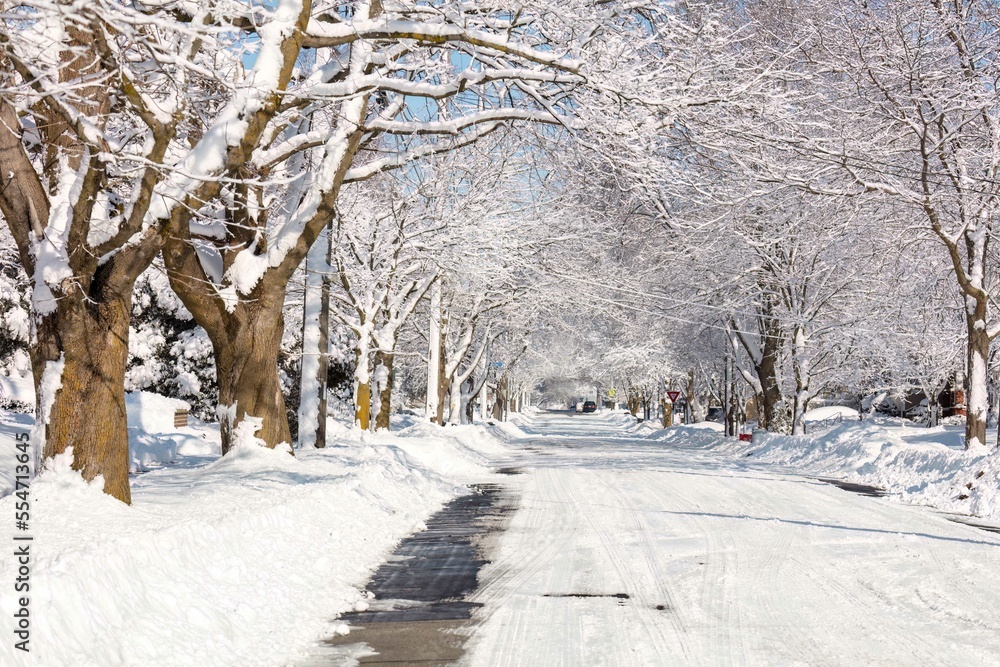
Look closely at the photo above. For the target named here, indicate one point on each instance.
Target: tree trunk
(362, 385)
(434, 360)
(668, 412)
(443, 380)
(315, 347)
(246, 362)
(483, 401)
(362, 405)
(976, 400)
(693, 406)
(802, 380)
(363, 375)
(469, 401)
(385, 379)
(498, 399)
(88, 409)
(769, 397)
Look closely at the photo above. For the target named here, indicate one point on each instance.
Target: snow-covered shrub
(15, 323)
(168, 353)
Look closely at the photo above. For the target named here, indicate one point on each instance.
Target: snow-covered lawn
(243, 560)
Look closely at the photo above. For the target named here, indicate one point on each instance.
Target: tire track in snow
(505, 590)
(618, 560)
(661, 592)
(716, 601)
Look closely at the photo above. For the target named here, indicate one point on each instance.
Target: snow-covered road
(626, 551)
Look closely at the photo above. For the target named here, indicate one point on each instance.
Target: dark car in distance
(589, 406)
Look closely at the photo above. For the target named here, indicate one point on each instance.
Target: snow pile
(629, 423)
(916, 465)
(153, 440)
(246, 560)
(508, 430)
(703, 435)
(831, 413)
(842, 450)
(465, 453)
(151, 412)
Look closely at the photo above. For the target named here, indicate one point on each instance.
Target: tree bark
(246, 362)
(468, 403)
(88, 410)
(362, 387)
(385, 360)
(978, 352)
(802, 381)
(443, 380)
(499, 398)
(694, 408)
(668, 412)
(315, 346)
(434, 360)
(769, 398)
(80, 339)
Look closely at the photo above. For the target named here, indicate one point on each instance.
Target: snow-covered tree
(923, 86)
(363, 87)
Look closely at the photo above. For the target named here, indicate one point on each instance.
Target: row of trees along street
(274, 210)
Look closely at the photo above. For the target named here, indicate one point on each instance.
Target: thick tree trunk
(246, 362)
(483, 402)
(500, 399)
(468, 403)
(385, 379)
(87, 411)
(363, 378)
(362, 387)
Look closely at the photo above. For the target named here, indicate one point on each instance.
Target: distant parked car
(589, 406)
(716, 414)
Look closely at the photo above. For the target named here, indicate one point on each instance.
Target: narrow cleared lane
(625, 551)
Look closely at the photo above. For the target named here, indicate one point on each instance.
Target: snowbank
(831, 412)
(244, 560)
(151, 412)
(916, 465)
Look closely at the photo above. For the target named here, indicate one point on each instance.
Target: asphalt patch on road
(970, 521)
(620, 596)
(861, 489)
(422, 593)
